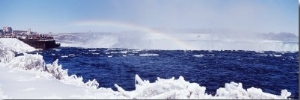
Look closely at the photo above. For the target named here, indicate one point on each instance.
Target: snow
(15, 45)
(29, 77)
(181, 89)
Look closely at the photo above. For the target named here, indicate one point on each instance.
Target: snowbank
(9, 46)
(28, 77)
(13, 44)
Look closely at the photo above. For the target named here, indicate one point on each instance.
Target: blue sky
(60, 15)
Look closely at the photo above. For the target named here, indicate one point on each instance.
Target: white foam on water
(71, 55)
(56, 49)
(148, 54)
(64, 56)
(200, 55)
(95, 53)
(92, 50)
(277, 55)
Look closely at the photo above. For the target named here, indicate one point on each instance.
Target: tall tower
(29, 31)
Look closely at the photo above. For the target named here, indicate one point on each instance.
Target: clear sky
(64, 15)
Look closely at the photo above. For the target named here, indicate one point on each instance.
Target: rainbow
(181, 44)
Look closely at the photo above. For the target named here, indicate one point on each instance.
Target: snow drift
(28, 76)
(15, 45)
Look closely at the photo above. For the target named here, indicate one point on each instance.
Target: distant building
(7, 30)
(1, 32)
(29, 31)
(19, 32)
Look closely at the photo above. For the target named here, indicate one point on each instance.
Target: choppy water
(270, 71)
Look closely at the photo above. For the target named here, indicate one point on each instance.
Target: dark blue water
(270, 71)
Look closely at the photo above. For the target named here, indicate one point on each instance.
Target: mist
(240, 15)
(187, 41)
(191, 25)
